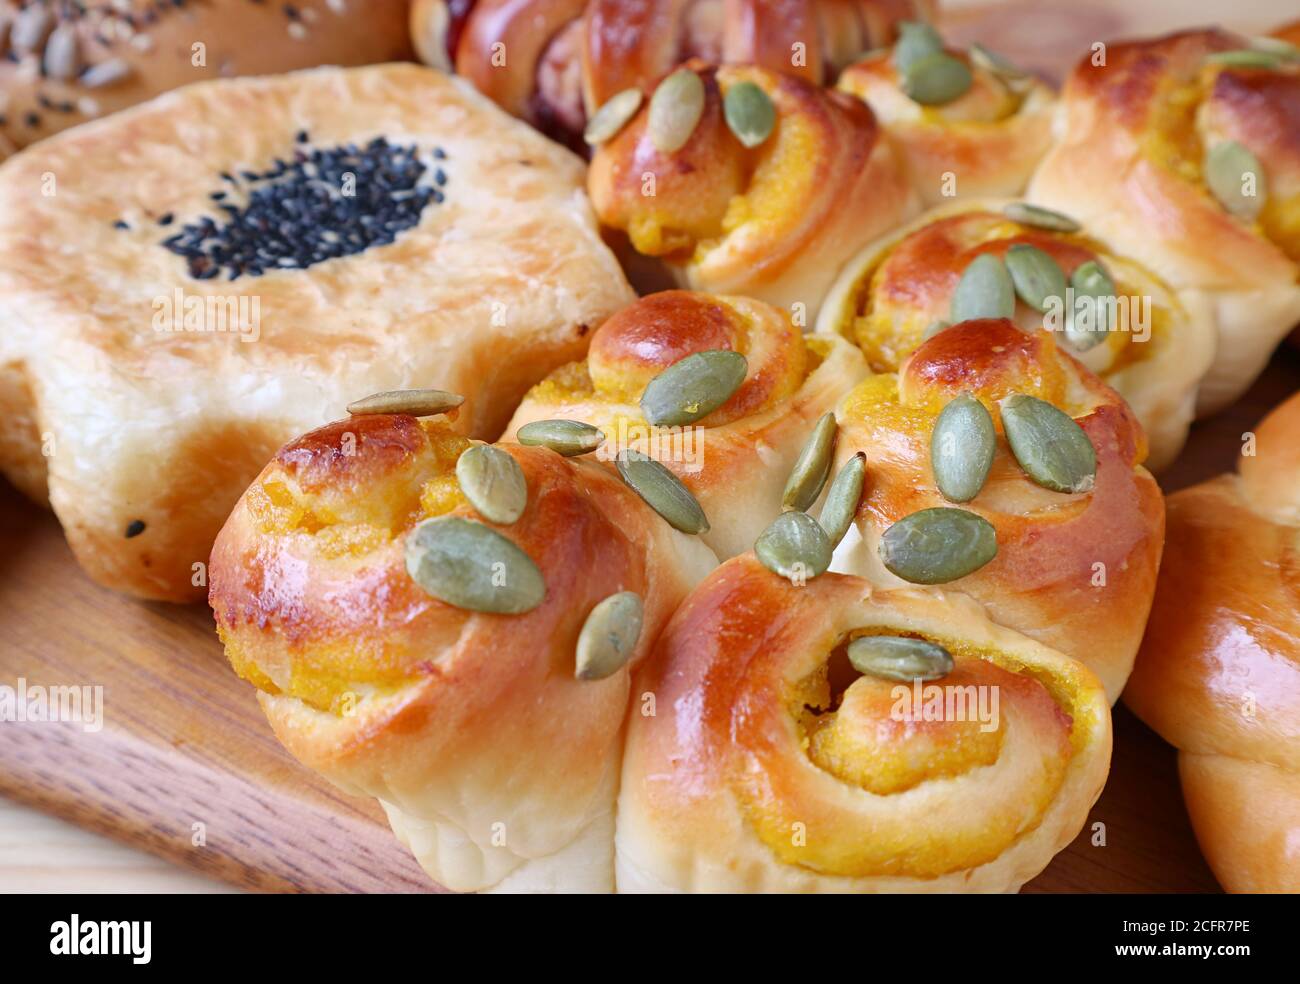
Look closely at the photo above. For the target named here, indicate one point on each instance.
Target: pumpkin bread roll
(223, 268)
(962, 123)
(566, 58)
(496, 764)
(1073, 569)
(1218, 675)
(1181, 151)
(735, 459)
(775, 220)
(65, 63)
(1153, 344)
(770, 764)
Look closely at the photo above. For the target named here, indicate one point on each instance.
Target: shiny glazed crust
(1129, 167)
(1218, 675)
(152, 46)
(496, 765)
(736, 459)
(1074, 571)
(775, 222)
(492, 289)
(769, 765)
(888, 295)
(987, 142)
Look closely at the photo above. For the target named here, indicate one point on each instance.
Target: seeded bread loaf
(1074, 570)
(1181, 151)
(497, 764)
(774, 218)
(773, 763)
(227, 266)
(1153, 344)
(72, 62)
(1218, 675)
(735, 458)
(554, 62)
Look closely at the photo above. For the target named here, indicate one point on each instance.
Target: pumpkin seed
(933, 328)
(1036, 276)
(662, 491)
(1039, 217)
(842, 499)
(899, 658)
(1246, 58)
(961, 448)
(1276, 46)
(607, 121)
(416, 403)
(984, 291)
(749, 113)
(794, 546)
(1226, 167)
(916, 39)
(935, 546)
(493, 483)
(472, 566)
(1050, 446)
(812, 467)
(693, 387)
(1090, 280)
(991, 61)
(675, 110)
(566, 437)
(608, 636)
(936, 80)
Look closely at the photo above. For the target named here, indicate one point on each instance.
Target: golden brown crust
(155, 47)
(775, 222)
(986, 142)
(1160, 346)
(1219, 671)
(768, 764)
(1074, 571)
(493, 287)
(736, 459)
(1136, 130)
(455, 719)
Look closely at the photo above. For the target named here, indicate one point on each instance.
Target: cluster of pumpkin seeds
(927, 73)
(676, 107)
(796, 545)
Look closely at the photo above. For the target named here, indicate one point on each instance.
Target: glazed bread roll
(770, 765)
(496, 765)
(72, 62)
(735, 459)
(1219, 671)
(983, 137)
(1073, 570)
(774, 221)
(554, 62)
(229, 265)
(1147, 139)
(1155, 346)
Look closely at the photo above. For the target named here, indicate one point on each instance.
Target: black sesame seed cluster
(317, 205)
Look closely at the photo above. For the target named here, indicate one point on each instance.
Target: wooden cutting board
(183, 742)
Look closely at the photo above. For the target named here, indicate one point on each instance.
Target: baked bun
(736, 459)
(554, 62)
(1145, 139)
(157, 340)
(73, 62)
(497, 766)
(1155, 350)
(775, 221)
(986, 140)
(1074, 570)
(770, 765)
(1218, 675)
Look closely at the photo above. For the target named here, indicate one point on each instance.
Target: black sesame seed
(119, 224)
(134, 528)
